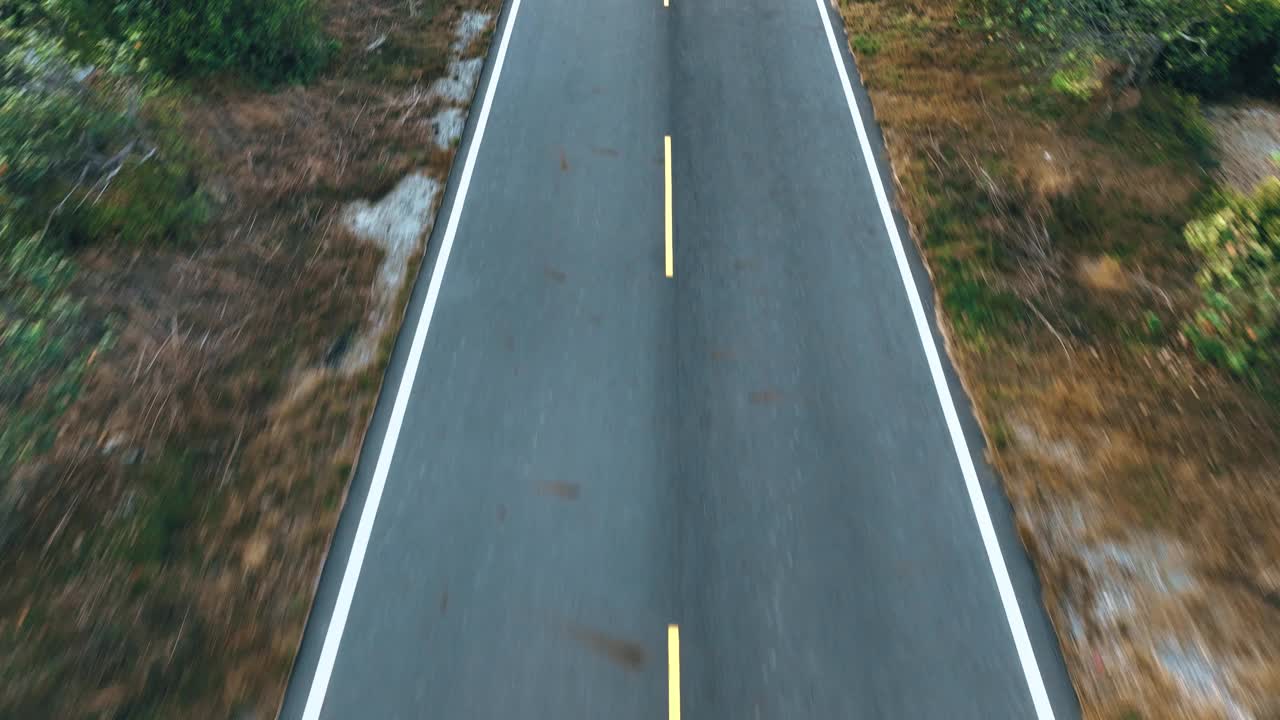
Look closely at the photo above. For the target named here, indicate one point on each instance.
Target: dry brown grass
(1144, 483)
(168, 546)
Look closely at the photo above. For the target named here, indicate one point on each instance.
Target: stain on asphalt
(564, 161)
(502, 513)
(556, 276)
(562, 490)
(764, 397)
(605, 151)
(444, 600)
(625, 653)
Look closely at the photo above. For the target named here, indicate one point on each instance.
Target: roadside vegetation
(1110, 295)
(177, 289)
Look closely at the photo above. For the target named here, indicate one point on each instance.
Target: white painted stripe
(1026, 654)
(338, 621)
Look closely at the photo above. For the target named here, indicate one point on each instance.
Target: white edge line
(1026, 654)
(350, 578)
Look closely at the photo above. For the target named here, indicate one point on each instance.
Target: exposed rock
(446, 127)
(397, 224)
(460, 83)
(1248, 141)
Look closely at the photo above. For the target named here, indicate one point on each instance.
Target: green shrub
(48, 123)
(1209, 47)
(272, 40)
(45, 344)
(1238, 324)
(1236, 49)
(866, 44)
(1077, 76)
(267, 40)
(76, 165)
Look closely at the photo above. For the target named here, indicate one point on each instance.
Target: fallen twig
(1049, 325)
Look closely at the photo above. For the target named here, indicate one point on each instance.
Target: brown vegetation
(166, 549)
(1144, 481)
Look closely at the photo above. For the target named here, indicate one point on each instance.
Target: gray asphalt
(753, 450)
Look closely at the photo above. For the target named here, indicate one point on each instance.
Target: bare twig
(1049, 325)
(178, 638)
(1154, 289)
(163, 345)
(115, 165)
(57, 210)
(226, 469)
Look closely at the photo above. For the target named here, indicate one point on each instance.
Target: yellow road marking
(670, 260)
(673, 671)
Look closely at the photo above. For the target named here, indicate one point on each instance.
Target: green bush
(48, 123)
(272, 40)
(45, 344)
(77, 165)
(267, 40)
(1236, 49)
(1238, 324)
(1209, 47)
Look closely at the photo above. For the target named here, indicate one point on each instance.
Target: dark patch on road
(764, 397)
(444, 600)
(556, 276)
(508, 343)
(595, 319)
(502, 513)
(721, 355)
(562, 490)
(628, 654)
(744, 264)
(605, 151)
(564, 161)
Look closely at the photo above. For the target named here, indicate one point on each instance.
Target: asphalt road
(574, 452)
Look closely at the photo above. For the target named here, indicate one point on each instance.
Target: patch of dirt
(1143, 481)
(1102, 273)
(1248, 137)
(163, 555)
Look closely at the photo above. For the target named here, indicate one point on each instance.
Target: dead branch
(1049, 325)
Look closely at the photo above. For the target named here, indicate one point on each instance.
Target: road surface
(582, 469)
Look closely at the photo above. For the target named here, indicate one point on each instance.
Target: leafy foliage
(1238, 325)
(269, 40)
(273, 40)
(1237, 49)
(76, 163)
(45, 344)
(1205, 46)
(48, 125)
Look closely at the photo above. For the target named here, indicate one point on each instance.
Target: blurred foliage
(45, 344)
(1236, 49)
(82, 160)
(1238, 324)
(1209, 47)
(78, 163)
(267, 40)
(1167, 126)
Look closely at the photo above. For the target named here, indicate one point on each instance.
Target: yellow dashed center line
(667, 165)
(673, 672)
